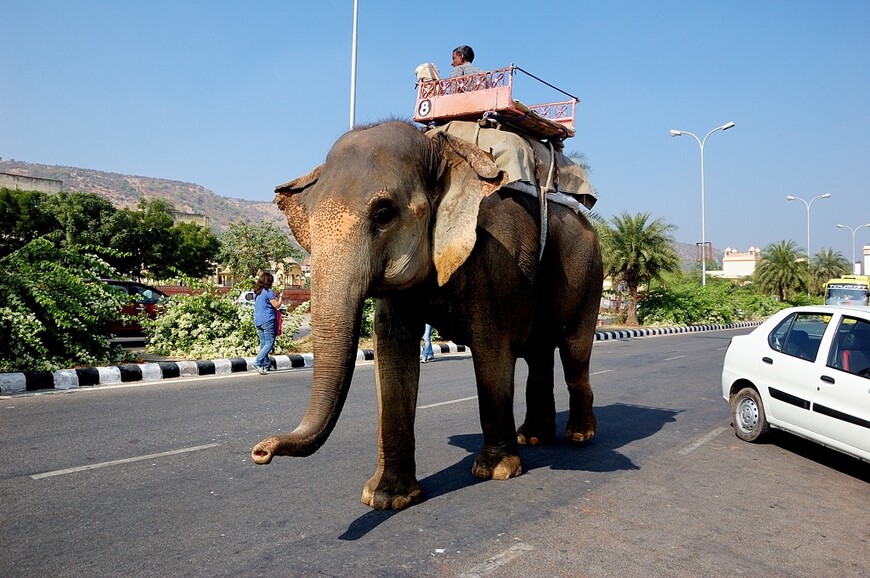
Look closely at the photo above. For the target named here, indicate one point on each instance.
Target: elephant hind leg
(575, 354)
(539, 427)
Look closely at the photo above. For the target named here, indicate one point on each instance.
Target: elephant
(420, 222)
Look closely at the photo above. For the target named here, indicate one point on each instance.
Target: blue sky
(241, 96)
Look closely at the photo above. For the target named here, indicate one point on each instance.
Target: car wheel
(747, 414)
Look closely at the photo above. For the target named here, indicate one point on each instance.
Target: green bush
(207, 325)
(367, 327)
(51, 316)
(686, 302)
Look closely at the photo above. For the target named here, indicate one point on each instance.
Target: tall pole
(353, 64)
(853, 230)
(808, 205)
(701, 143)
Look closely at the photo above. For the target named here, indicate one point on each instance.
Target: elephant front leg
(397, 372)
(500, 457)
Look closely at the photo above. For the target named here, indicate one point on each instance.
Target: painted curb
(628, 333)
(64, 379)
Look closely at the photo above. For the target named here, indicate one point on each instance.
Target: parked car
(138, 299)
(806, 370)
(247, 298)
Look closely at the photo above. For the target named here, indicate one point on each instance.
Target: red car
(139, 298)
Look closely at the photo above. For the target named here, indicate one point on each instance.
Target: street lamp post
(853, 239)
(793, 198)
(353, 50)
(701, 143)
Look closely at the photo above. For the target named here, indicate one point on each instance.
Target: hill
(125, 191)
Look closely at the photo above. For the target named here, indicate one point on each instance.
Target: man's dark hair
(466, 52)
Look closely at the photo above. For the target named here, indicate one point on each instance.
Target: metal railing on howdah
(486, 91)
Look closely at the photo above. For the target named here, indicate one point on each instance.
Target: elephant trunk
(335, 318)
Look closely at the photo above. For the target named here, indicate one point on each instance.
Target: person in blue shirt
(266, 304)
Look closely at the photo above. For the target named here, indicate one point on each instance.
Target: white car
(805, 370)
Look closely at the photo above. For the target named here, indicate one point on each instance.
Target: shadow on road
(820, 454)
(619, 424)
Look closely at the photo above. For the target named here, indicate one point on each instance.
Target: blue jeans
(266, 333)
(427, 343)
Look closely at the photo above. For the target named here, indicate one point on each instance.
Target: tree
(247, 249)
(24, 216)
(82, 219)
(783, 270)
(143, 237)
(637, 251)
(827, 264)
(195, 250)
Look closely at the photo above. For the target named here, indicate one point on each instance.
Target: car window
(850, 350)
(118, 289)
(146, 295)
(799, 335)
(776, 339)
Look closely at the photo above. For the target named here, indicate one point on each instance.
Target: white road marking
(497, 561)
(603, 371)
(124, 461)
(702, 440)
(677, 357)
(446, 402)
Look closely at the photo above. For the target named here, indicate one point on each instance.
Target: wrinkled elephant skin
(421, 223)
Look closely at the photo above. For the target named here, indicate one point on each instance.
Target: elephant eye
(383, 215)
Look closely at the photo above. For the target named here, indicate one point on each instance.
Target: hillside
(124, 191)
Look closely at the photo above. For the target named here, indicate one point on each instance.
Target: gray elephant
(422, 223)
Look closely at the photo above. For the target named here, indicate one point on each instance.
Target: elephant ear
(467, 175)
(289, 199)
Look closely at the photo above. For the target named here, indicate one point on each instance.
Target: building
(23, 183)
(288, 275)
(863, 266)
(737, 264)
(195, 218)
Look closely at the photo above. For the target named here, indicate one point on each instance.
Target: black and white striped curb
(626, 333)
(11, 383)
(64, 379)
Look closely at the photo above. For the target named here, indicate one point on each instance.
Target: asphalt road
(155, 479)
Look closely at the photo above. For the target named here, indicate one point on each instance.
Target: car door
(841, 404)
(788, 370)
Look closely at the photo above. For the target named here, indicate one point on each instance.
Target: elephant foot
(391, 492)
(533, 436)
(583, 431)
(504, 468)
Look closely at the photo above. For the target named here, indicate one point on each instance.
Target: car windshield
(846, 295)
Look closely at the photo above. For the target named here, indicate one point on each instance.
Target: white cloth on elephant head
(516, 155)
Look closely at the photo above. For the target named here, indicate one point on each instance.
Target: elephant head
(389, 208)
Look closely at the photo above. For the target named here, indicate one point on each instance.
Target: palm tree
(827, 264)
(783, 269)
(637, 251)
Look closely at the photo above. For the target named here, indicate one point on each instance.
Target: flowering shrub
(51, 317)
(206, 325)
